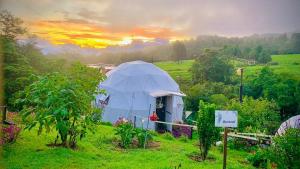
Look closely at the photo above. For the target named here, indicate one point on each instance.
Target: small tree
(62, 102)
(207, 131)
(179, 51)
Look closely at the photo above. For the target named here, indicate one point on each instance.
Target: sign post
(225, 148)
(224, 118)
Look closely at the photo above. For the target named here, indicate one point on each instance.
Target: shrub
(258, 115)
(259, 159)
(126, 132)
(285, 150)
(207, 131)
(142, 136)
(10, 133)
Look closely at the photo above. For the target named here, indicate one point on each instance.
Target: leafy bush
(258, 115)
(63, 102)
(142, 136)
(126, 132)
(9, 133)
(285, 150)
(207, 131)
(259, 159)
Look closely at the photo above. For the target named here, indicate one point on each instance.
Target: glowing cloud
(85, 34)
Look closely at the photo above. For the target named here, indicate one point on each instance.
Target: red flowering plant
(120, 121)
(10, 133)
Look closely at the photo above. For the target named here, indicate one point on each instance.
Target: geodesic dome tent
(293, 122)
(132, 91)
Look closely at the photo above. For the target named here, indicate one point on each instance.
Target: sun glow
(93, 36)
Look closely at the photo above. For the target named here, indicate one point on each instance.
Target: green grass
(97, 151)
(178, 71)
(288, 66)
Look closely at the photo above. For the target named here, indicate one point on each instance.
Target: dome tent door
(161, 103)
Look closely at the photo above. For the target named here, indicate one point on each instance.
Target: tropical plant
(143, 136)
(207, 131)
(62, 102)
(126, 132)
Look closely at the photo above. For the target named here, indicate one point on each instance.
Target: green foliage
(219, 99)
(142, 136)
(212, 66)
(259, 159)
(184, 138)
(168, 136)
(285, 92)
(285, 150)
(206, 129)
(258, 115)
(209, 92)
(62, 102)
(126, 132)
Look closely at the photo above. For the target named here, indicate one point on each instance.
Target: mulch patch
(134, 145)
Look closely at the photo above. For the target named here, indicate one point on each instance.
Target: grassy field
(287, 65)
(179, 71)
(97, 151)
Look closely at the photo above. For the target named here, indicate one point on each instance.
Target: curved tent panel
(293, 122)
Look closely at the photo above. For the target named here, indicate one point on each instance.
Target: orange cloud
(85, 34)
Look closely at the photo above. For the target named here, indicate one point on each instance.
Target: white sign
(224, 118)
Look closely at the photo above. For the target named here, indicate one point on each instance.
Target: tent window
(103, 101)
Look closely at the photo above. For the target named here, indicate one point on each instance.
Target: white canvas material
(293, 122)
(129, 87)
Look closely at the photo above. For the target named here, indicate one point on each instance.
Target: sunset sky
(103, 23)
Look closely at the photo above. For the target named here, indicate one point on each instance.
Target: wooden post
(225, 148)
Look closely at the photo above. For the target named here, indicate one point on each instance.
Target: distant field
(179, 71)
(287, 65)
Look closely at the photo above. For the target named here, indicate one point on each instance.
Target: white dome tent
(293, 122)
(133, 90)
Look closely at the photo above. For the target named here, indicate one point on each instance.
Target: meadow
(98, 151)
(285, 65)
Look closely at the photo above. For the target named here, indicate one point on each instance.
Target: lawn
(97, 151)
(287, 65)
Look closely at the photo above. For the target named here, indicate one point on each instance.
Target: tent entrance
(161, 104)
